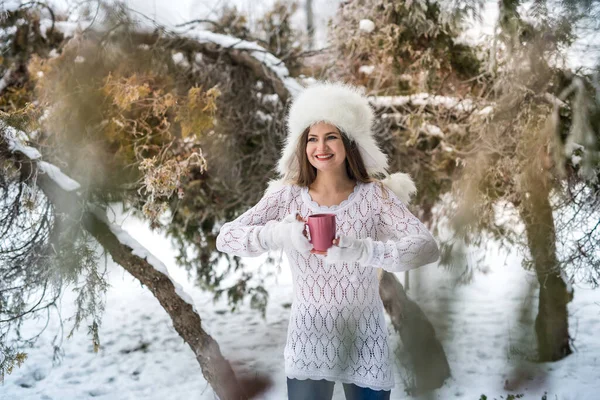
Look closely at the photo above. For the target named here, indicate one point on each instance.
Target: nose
(322, 145)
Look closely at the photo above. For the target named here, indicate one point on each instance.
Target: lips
(324, 157)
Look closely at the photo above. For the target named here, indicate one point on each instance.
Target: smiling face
(327, 139)
(324, 148)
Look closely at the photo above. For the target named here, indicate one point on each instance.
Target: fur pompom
(402, 185)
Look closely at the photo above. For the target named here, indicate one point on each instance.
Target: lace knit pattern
(337, 329)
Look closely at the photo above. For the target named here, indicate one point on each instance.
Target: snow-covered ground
(485, 328)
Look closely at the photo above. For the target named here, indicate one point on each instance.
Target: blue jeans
(323, 390)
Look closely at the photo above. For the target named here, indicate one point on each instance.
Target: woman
(337, 330)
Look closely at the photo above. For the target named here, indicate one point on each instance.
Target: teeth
(324, 158)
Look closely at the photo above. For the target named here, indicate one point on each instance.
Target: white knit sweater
(337, 329)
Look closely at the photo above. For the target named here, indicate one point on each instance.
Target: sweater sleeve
(241, 237)
(403, 241)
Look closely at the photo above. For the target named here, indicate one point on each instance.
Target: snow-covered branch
(274, 66)
(127, 252)
(16, 144)
(140, 251)
(423, 99)
(264, 64)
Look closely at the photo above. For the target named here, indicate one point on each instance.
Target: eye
(312, 139)
(331, 137)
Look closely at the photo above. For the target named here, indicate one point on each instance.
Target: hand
(288, 232)
(350, 250)
(335, 242)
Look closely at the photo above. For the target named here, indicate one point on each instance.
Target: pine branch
(147, 269)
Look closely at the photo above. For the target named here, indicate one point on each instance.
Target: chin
(328, 168)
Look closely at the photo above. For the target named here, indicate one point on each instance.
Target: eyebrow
(328, 133)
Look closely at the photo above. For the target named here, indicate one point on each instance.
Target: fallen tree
(135, 259)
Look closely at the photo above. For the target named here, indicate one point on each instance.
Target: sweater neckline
(336, 207)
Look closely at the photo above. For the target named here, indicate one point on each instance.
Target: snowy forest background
(131, 131)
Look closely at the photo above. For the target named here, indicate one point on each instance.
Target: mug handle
(307, 229)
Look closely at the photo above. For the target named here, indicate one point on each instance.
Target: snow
(266, 118)
(271, 98)
(423, 99)
(140, 251)
(67, 28)
(366, 69)
(269, 60)
(477, 323)
(14, 138)
(58, 176)
(366, 25)
(79, 60)
(395, 116)
(179, 59)
(571, 147)
(16, 141)
(5, 78)
(203, 36)
(484, 326)
(433, 130)
(581, 54)
(9, 5)
(485, 111)
(555, 101)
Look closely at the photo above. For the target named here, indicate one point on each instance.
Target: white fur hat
(347, 108)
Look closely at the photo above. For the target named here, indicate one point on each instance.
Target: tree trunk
(310, 24)
(551, 323)
(426, 353)
(215, 368)
(186, 321)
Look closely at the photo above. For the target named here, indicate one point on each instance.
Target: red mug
(321, 228)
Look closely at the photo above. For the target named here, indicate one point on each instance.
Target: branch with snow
(9, 6)
(133, 257)
(423, 99)
(16, 144)
(267, 60)
(254, 56)
(140, 251)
